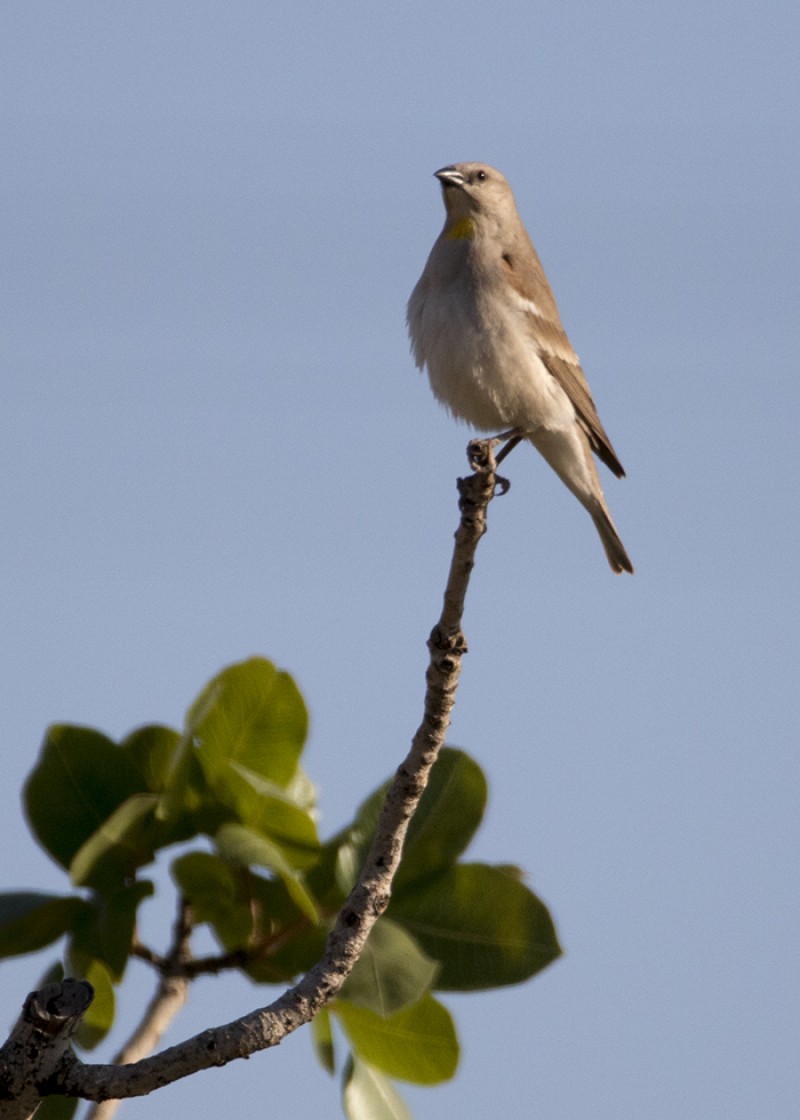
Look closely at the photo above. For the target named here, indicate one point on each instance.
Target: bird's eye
(481, 176)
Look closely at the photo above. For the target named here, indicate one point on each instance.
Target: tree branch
(39, 1044)
(168, 998)
(370, 896)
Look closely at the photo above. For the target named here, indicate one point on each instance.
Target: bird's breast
(482, 360)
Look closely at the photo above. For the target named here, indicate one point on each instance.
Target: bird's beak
(450, 177)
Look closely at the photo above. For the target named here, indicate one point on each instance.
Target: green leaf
(322, 1038)
(251, 913)
(416, 1044)
(301, 790)
(153, 750)
(185, 797)
(168, 766)
(81, 777)
(30, 920)
(57, 1108)
(250, 713)
(99, 1017)
(246, 847)
(215, 888)
(322, 878)
(448, 816)
(368, 1095)
(122, 843)
(351, 852)
(104, 930)
(484, 927)
(264, 807)
(392, 971)
(289, 942)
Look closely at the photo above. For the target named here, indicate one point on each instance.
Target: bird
(484, 322)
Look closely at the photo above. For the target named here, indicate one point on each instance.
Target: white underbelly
(491, 374)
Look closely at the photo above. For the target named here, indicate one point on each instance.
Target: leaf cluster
(229, 790)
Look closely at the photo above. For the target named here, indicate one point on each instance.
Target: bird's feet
(481, 456)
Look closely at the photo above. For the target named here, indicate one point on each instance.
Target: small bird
(483, 319)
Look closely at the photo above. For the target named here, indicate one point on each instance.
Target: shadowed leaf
(483, 925)
(391, 972)
(80, 778)
(29, 920)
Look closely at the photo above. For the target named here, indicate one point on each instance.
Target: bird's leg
(513, 438)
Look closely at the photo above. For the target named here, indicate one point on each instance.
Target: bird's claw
(480, 453)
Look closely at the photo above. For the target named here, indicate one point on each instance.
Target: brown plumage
(485, 323)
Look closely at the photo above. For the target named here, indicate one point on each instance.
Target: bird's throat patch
(463, 230)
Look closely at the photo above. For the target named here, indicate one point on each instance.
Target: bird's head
(472, 192)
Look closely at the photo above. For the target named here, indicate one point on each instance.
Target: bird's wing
(525, 273)
(569, 376)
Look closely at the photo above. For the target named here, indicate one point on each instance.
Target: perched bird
(483, 320)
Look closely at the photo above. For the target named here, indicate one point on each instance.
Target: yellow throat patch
(464, 229)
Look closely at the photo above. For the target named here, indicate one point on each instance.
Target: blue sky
(213, 442)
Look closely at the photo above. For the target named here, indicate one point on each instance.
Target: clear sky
(213, 443)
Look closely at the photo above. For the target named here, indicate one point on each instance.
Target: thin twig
(144, 953)
(210, 965)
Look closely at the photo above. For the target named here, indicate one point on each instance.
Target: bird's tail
(615, 549)
(570, 456)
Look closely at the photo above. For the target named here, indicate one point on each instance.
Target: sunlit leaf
(301, 790)
(247, 847)
(265, 807)
(99, 1016)
(250, 713)
(367, 1094)
(322, 1037)
(416, 1044)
